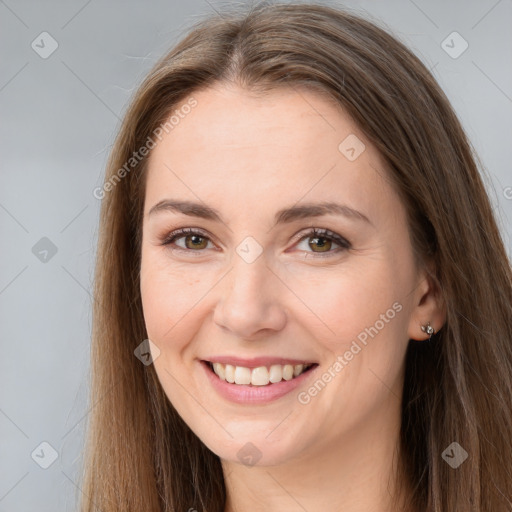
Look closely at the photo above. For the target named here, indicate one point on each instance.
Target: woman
(303, 299)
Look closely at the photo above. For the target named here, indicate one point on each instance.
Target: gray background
(59, 116)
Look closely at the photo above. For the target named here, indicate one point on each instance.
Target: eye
(194, 240)
(323, 239)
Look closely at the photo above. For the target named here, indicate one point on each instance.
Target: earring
(428, 329)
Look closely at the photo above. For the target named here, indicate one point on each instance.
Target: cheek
(363, 322)
(174, 302)
(167, 295)
(346, 301)
(366, 339)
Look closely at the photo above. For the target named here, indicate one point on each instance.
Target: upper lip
(255, 362)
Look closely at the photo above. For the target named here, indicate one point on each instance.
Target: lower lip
(245, 394)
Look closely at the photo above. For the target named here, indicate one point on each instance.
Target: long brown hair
(140, 455)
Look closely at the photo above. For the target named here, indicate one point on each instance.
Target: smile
(259, 376)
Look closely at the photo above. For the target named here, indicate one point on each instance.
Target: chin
(256, 446)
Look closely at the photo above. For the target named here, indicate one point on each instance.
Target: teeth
(220, 370)
(242, 375)
(276, 373)
(260, 376)
(288, 372)
(229, 373)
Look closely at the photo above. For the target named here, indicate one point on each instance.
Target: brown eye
(322, 242)
(195, 242)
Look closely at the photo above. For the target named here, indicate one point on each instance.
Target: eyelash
(315, 232)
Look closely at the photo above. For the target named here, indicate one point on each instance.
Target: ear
(428, 306)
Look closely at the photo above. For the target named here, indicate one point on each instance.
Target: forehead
(234, 149)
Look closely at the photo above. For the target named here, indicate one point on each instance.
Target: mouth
(258, 376)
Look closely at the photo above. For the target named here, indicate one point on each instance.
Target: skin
(248, 157)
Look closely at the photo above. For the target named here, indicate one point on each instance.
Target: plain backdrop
(59, 114)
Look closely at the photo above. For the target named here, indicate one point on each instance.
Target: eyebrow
(286, 215)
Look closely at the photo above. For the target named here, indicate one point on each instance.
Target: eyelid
(183, 232)
(323, 232)
(342, 242)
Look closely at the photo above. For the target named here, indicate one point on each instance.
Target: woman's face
(255, 291)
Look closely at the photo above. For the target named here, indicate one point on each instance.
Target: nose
(251, 300)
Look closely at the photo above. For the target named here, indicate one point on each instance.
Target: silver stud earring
(428, 329)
